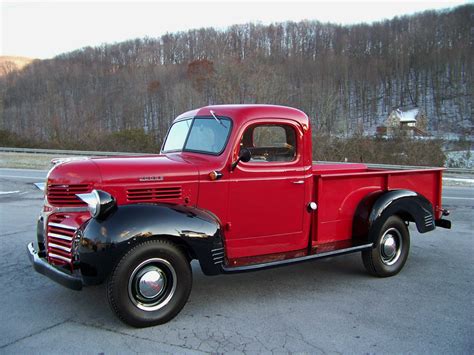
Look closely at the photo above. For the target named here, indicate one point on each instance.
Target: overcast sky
(40, 29)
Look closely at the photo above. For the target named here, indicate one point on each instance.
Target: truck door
(266, 194)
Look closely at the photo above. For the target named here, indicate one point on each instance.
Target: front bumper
(73, 282)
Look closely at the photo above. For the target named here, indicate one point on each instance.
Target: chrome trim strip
(57, 246)
(60, 257)
(70, 209)
(217, 253)
(212, 250)
(59, 225)
(59, 236)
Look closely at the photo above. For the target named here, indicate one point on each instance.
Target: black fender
(104, 242)
(375, 208)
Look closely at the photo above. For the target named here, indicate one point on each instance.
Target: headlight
(100, 203)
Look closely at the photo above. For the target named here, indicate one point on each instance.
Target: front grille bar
(59, 225)
(60, 257)
(57, 246)
(59, 236)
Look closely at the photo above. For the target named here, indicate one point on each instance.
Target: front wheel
(390, 251)
(150, 284)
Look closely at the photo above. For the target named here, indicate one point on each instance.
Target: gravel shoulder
(27, 160)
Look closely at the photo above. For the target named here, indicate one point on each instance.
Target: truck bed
(339, 188)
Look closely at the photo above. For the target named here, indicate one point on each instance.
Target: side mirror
(244, 155)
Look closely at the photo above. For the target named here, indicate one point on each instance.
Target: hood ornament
(57, 161)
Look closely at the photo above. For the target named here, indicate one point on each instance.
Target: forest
(348, 79)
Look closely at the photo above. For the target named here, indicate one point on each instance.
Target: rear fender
(104, 242)
(375, 208)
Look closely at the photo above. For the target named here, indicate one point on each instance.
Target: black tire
(390, 251)
(150, 284)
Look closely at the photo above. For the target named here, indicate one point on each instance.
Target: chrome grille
(153, 194)
(60, 239)
(65, 195)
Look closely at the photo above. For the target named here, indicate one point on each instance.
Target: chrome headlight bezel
(99, 203)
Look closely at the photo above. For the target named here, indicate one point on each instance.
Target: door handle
(298, 182)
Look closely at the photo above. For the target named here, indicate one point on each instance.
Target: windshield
(204, 135)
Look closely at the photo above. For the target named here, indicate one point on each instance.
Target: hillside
(347, 78)
(11, 63)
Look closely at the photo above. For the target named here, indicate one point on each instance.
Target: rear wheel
(150, 284)
(390, 251)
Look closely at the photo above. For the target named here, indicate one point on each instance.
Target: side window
(270, 143)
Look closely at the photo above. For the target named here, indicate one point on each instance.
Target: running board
(271, 264)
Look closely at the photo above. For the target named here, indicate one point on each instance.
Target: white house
(411, 120)
(403, 118)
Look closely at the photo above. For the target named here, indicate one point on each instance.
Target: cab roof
(243, 113)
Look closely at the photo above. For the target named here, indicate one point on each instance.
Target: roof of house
(407, 115)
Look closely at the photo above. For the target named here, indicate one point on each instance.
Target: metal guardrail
(459, 171)
(63, 152)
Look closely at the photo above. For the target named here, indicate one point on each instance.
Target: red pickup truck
(235, 188)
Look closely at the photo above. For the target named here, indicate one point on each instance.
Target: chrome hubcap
(152, 284)
(391, 246)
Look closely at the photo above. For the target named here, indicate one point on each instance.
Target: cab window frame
(184, 150)
(298, 140)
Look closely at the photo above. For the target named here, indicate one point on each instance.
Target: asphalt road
(326, 306)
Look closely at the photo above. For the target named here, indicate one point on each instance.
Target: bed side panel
(339, 194)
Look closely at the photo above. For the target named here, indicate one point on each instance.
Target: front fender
(373, 211)
(104, 242)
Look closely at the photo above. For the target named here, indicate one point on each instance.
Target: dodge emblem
(151, 178)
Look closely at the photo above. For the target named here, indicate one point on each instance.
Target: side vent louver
(154, 194)
(429, 220)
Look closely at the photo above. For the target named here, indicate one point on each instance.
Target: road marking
(458, 198)
(8, 192)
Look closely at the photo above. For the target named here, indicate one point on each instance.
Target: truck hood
(128, 175)
(123, 170)
(145, 169)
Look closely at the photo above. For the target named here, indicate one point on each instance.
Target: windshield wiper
(215, 117)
